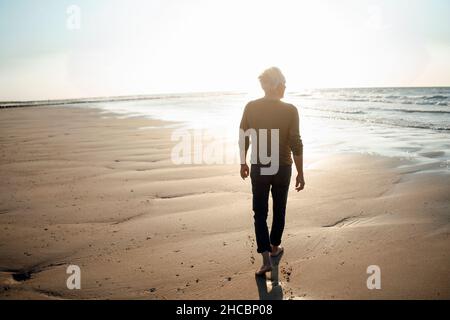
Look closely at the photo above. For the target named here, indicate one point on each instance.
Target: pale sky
(127, 47)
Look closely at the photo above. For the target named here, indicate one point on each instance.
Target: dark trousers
(278, 184)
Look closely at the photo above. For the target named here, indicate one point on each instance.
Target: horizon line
(144, 96)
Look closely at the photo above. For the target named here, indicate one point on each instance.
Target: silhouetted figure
(271, 118)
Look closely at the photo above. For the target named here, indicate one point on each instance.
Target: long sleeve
(244, 140)
(295, 141)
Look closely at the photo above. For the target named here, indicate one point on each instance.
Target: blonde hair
(271, 78)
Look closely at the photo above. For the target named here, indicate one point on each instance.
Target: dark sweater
(274, 114)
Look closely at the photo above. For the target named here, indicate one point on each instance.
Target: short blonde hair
(271, 78)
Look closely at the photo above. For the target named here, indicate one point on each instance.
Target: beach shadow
(270, 289)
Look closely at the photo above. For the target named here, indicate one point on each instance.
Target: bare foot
(263, 270)
(276, 251)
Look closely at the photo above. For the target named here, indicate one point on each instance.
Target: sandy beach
(83, 188)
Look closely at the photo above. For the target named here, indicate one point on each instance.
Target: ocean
(411, 123)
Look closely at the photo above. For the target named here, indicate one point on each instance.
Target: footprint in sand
(252, 245)
(286, 272)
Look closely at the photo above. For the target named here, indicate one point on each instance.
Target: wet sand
(83, 188)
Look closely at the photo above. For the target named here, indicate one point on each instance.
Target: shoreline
(123, 98)
(78, 188)
(43, 102)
